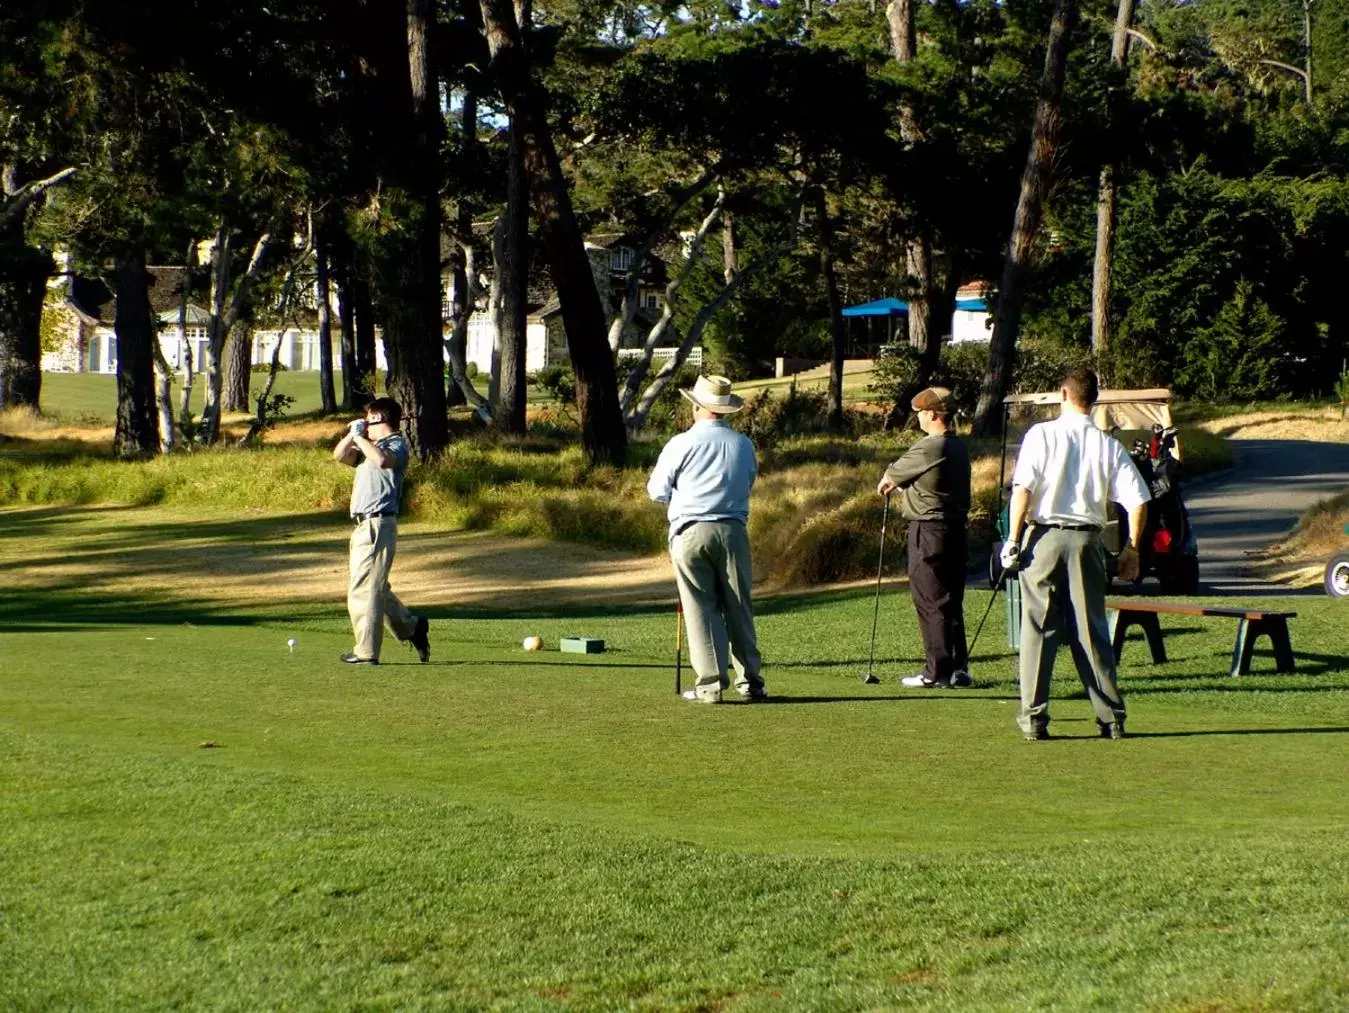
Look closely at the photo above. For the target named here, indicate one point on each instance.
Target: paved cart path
(1252, 506)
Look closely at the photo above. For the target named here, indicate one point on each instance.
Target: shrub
(559, 381)
(266, 367)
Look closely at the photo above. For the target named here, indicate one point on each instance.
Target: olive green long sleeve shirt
(934, 479)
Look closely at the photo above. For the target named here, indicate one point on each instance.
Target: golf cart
(1168, 551)
(1337, 573)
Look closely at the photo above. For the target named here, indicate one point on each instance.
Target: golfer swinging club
(705, 475)
(1067, 476)
(379, 453)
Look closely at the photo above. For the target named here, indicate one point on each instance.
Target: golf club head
(870, 679)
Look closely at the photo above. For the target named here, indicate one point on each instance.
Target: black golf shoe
(419, 640)
(1112, 731)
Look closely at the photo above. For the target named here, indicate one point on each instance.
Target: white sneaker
(919, 681)
(692, 695)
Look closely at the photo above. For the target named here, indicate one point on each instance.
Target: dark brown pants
(937, 584)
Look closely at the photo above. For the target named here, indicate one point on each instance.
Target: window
(652, 301)
(621, 259)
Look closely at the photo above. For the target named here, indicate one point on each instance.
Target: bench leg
(1241, 650)
(1249, 631)
(1119, 626)
(1278, 637)
(1152, 629)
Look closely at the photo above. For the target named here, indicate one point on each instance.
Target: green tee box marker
(582, 645)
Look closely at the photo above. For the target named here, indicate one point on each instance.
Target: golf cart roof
(1114, 409)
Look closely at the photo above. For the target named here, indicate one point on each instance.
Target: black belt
(720, 520)
(1068, 527)
(361, 518)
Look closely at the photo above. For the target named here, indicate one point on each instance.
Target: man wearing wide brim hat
(933, 482)
(705, 475)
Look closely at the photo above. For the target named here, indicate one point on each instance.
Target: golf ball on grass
(291, 643)
(532, 643)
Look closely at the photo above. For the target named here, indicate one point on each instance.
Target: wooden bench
(1252, 624)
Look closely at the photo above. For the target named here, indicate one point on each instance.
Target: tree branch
(24, 196)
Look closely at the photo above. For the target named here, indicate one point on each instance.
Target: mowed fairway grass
(193, 816)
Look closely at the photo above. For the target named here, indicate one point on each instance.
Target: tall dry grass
(814, 516)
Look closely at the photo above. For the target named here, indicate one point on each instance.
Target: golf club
(869, 677)
(1002, 580)
(679, 643)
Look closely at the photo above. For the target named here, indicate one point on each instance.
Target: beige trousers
(370, 602)
(712, 572)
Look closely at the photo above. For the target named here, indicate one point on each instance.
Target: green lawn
(92, 397)
(194, 817)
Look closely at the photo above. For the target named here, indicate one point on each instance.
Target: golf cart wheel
(1337, 576)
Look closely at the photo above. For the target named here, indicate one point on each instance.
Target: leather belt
(1068, 527)
(362, 518)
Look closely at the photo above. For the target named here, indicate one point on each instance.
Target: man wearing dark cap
(933, 480)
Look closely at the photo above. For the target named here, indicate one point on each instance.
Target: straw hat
(714, 394)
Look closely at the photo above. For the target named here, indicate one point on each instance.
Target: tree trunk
(408, 265)
(1103, 266)
(365, 382)
(238, 368)
(23, 286)
(903, 41)
(1307, 50)
(225, 310)
(925, 304)
(666, 322)
(929, 358)
(346, 318)
(603, 435)
(510, 286)
(730, 259)
(137, 432)
(1035, 180)
(637, 417)
(825, 233)
(184, 296)
(323, 293)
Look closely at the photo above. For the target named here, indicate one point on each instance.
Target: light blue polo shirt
(705, 474)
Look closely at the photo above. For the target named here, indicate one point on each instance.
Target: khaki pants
(370, 603)
(1063, 598)
(712, 572)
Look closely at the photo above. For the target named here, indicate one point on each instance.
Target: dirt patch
(268, 558)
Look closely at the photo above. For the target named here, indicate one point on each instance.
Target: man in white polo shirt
(705, 474)
(1067, 476)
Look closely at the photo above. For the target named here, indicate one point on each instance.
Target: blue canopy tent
(889, 308)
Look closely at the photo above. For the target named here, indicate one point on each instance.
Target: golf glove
(357, 428)
(1010, 556)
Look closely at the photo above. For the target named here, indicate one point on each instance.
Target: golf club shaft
(880, 565)
(679, 645)
(980, 629)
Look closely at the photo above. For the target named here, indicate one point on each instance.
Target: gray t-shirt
(934, 479)
(377, 490)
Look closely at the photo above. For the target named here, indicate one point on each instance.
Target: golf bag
(1168, 550)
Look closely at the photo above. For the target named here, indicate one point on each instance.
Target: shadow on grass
(1331, 730)
(72, 610)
